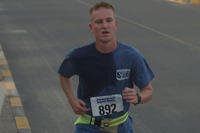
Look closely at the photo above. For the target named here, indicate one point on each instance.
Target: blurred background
(36, 34)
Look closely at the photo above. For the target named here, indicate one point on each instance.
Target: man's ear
(90, 27)
(116, 23)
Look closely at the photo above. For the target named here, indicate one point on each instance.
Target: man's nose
(104, 24)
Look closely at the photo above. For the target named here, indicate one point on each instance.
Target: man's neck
(106, 47)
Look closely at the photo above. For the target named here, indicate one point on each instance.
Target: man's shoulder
(128, 48)
(82, 50)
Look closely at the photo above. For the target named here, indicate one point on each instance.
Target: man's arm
(78, 106)
(130, 94)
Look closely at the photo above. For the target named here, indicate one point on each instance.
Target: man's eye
(98, 21)
(109, 19)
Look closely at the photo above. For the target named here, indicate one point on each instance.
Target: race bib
(106, 105)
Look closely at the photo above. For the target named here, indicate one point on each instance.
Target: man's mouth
(105, 32)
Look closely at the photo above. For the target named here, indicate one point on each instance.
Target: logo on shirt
(122, 74)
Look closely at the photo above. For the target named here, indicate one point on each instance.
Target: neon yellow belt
(87, 119)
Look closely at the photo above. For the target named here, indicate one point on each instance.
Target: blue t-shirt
(105, 74)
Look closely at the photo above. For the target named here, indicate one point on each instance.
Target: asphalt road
(36, 34)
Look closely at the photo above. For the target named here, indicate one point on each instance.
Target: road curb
(7, 84)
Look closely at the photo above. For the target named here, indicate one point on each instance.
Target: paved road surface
(36, 34)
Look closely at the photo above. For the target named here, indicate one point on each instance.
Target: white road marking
(130, 21)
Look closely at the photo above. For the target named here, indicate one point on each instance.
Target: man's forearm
(146, 93)
(67, 88)
(79, 107)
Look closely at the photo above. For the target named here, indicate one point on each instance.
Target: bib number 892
(107, 109)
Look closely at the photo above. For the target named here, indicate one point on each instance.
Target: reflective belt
(107, 122)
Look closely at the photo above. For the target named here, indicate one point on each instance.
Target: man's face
(103, 25)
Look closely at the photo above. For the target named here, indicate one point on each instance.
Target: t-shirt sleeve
(141, 72)
(67, 68)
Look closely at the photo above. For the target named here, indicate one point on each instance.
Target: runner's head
(103, 23)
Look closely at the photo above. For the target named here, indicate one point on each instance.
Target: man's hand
(130, 95)
(78, 106)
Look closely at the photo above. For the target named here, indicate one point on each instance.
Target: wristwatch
(139, 98)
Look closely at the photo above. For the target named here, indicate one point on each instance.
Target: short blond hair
(100, 5)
